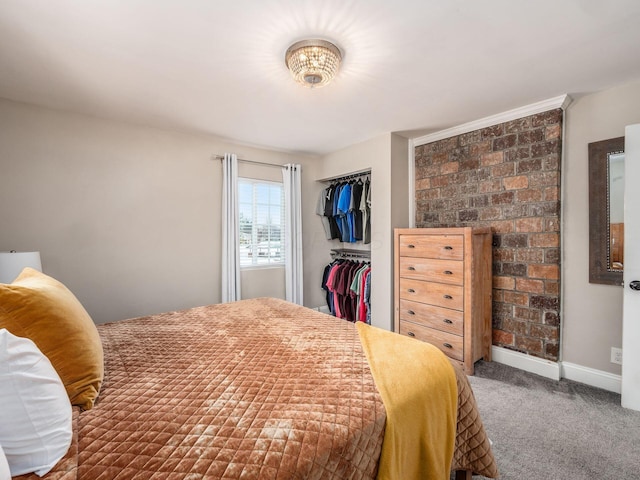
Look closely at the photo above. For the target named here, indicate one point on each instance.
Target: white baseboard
(544, 368)
(323, 309)
(557, 370)
(596, 378)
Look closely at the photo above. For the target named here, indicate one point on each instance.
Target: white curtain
(230, 230)
(293, 232)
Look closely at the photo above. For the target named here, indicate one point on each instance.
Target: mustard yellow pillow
(41, 308)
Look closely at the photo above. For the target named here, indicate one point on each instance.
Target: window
(261, 217)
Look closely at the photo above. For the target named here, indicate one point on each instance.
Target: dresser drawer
(444, 319)
(446, 247)
(432, 269)
(450, 344)
(439, 294)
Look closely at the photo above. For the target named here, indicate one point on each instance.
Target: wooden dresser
(442, 289)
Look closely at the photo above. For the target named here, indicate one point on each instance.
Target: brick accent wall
(505, 176)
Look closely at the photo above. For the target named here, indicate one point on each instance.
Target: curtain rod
(264, 164)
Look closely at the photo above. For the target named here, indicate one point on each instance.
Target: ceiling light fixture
(313, 63)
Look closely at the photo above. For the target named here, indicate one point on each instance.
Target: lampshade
(12, 263)
(313, 63)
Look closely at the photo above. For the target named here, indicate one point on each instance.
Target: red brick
(545, 332)
(551, 224)
(491, 213)
(491, 158)
(480, 148)
(528, 314)
(529, 285)
(503, 198)
(515, 183)
(505, 226)
(518, 125)
(505, 283)
(516, 298)
(440, 157)
(552, 351)
(450, 167)
(503, 170)
(529, 195)
(489, 186)
(529, 224)
(551, 288)
(531, 345)
(423, 184)
(503, 254)
(505, 142)
(492, 131)
(440, 181)
(544, 271)
(543, 179)
(552, 132)
(551, 194)
(544, 240)
(502, 337)
(530, 255)
(498, 295)
(551, 162)
(515, 326)
(427, 170)
(531, 136)
(429, 194)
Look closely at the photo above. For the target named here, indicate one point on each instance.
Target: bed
(255, 389)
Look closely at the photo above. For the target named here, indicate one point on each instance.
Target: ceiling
(217, 66)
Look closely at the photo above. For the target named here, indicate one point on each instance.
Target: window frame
(255, 182)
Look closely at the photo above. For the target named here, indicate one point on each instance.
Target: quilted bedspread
(257, 389)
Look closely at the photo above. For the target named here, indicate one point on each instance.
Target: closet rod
(349, 176)
(350, 253)
(243, 160)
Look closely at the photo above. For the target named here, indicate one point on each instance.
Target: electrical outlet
(616, 355)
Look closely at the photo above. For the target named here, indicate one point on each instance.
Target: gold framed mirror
(606, 225)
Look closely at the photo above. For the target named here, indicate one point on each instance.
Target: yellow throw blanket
(418, 387)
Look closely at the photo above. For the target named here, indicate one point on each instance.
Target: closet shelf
(350, 253)
(348, 176)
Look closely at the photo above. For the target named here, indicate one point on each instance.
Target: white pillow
(4, 466)
(35, 418)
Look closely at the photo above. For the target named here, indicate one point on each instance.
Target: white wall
(592, 314)
(128, 217)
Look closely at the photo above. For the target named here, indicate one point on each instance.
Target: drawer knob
(447, 345)
(411, 334)
(448, 272)
(448, 297)
(448, 247)
(411, 290)
(411, 312)
(411, 246)
(411, 268)
(446, 320)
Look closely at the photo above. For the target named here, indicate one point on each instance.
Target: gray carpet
(545, 430)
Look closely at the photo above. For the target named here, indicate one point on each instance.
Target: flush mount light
(313, 63)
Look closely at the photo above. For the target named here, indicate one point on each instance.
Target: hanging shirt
(367, 296)
(325, 278)
(328, 212)
(320, 209)
(365, 206)
(343, 208)
(336, 215)
(356, 197)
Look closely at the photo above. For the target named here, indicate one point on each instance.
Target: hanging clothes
(344, 282)
(345, 210)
